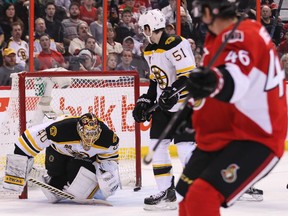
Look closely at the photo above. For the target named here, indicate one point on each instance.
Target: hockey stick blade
(68, 196)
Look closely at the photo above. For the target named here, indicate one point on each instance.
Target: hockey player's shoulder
(62, 129)
(170, 42)
(108, 137)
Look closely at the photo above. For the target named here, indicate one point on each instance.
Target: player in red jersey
(240, 116)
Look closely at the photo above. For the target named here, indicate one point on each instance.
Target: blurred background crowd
(69, 33)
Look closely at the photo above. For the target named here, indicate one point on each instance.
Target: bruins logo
(229, 174)
(160, 76)
(169, 40)
(53, 131)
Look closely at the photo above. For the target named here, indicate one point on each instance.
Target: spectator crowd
(69, 33)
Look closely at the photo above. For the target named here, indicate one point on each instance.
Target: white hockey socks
(185, 151)
(16, 171)
(84, 184)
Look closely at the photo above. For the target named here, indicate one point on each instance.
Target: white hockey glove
(16, 171)
(108, 177)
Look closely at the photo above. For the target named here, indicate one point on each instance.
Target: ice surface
(129, 203)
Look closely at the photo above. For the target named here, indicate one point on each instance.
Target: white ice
(126, 202)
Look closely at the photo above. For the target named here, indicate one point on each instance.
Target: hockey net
(110, 95)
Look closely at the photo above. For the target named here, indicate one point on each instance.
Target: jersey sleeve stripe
(187, 69)
(26, 147)
(34, 144)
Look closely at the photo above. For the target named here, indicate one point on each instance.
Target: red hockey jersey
(257, 110)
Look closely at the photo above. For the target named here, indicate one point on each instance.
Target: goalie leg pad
(108, 177)
(16, 171)
(84, 184)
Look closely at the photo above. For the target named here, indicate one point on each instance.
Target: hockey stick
(68, 196)
(148, 158)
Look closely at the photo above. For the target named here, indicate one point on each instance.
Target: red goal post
(110, 95)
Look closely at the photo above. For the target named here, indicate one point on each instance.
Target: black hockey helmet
(218, 8)
(89, 130)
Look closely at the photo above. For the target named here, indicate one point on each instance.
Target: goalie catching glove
(204, 82)
(140, 110)
(108, 178)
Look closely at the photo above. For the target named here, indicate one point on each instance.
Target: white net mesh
(110, 97)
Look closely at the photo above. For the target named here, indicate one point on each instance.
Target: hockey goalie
(81, 158)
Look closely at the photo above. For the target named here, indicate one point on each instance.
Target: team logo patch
(160, 76)
(229, 174)
(53, 131)
(170, 40)
(237, 36)
(51, 158)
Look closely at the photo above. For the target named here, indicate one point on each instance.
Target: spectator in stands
(22, 11)
(186, 27)
(132, 6)
(88, 12)
(7, 18)
(20, 46)
(91, 44)
(283, 46)
(63, 4)
(53, 26)
(9, 66)
(96, 27)
(284, 61)
(133, 45)
(139, 36)
(89, 61)
(112, 45)
(126, 60)
(70, 25)
(170, 12)
(78, 43)
(170, 29)
(270, 23)
(192, 44)
(113, 16)
(125, 27)
(49, 58)
(198, 59)
(112, 61)
(40, 29)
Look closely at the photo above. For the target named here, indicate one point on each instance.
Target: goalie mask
(89, 130)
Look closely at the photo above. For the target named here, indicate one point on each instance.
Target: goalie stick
(148, 158)
(68, 196)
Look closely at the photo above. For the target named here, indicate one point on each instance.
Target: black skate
(164, 200)
(252, 194)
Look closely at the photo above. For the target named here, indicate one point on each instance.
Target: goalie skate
(252, 194)
(164, 200)
(66, 197)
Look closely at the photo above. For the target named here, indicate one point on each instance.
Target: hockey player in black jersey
(170, 60)
(81, 157)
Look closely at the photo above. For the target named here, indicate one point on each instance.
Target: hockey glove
(168, 98)
(140, 110)
(203, 83)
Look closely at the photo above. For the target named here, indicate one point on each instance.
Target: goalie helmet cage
(110, 95)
